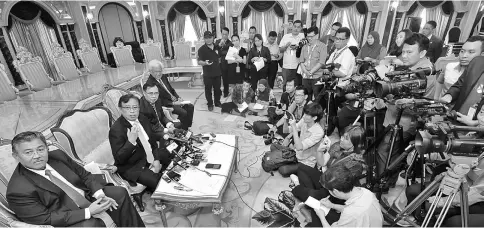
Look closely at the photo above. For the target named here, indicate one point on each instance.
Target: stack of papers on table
(201, 182)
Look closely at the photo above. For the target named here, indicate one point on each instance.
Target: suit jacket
(36, 200)
(264, 52)
(435, 48)
(131, 159)
(461, 90)
(146, 109)
(164, 97)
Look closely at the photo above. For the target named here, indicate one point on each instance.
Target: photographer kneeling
(306, 142)
(413, 57)
(295, 109)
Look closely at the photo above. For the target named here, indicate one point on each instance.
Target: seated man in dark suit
(49, 188)
(134, 146)
(168, 96)
(150, 106)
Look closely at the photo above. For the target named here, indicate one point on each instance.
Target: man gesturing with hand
(134, 146)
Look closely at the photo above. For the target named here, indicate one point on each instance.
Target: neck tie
(79, 199)
(156, 113)
(143, 137)
(173, 98)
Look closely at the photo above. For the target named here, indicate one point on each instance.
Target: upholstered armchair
(110, 98)
(85, 136)
(443, 61)
(8, 91)
(122, 55)
(182, 50)
(89, 57)
(32, 70)
(152, 50)
(7, 166)
(64, 63)
(167, 111)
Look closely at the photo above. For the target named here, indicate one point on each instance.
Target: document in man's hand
(243, 106)
(315, 204)
(185, 102)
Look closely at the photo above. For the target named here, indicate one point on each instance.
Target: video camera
(442, 137)
(363, 84)
(407, 83)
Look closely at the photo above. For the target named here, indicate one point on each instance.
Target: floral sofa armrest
(7, 219)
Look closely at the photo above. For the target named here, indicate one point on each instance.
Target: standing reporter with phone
(208, 58)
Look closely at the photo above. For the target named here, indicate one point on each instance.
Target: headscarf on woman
(264, 95)
(372, 51)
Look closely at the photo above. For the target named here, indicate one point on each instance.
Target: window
(189, 34)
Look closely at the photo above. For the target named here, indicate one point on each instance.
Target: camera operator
(475, 199)
(313, 57)
(343, 56)
(413, 57)
(454, 70)
(295, 109)
(469, 88)
(307, 134)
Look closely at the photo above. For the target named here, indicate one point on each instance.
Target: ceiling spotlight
(89, 16)
(394, 5)
(221, 9)
(145, 13)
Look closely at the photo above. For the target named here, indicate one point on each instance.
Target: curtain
(254, 19)
(178, 26)
(328, 20)
(199, 25)
(272, 21)
(38, 38)
(437, 14)
(355, 22)
(415, 13)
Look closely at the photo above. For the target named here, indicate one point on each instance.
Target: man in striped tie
(49, 188)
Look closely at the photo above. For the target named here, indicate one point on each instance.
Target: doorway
(115, 21)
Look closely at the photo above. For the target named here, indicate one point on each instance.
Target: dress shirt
(274, 49)
(451, 74)
(96, 195)
(362, 210)
(311, 55)
(311, 138)
(345, 57)
(290, 60)
(136, 122)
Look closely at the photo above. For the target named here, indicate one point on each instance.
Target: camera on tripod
(443, 137)
(364, 84)
(407, 83)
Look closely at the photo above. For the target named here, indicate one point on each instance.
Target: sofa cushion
(101, 154)
(88, 130)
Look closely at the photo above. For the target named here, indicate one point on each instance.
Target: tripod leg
(464, 207)
(419, 200)
(444, 211)
(432, 208)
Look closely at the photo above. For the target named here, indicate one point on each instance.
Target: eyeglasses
(299, 95)
(153, 93)
(339, 39)
(310, 37)
(134, 108)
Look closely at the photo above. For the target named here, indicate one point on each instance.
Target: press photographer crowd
(396, 116)
(348, 126)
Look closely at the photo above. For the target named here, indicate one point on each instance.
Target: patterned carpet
(252, 184)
